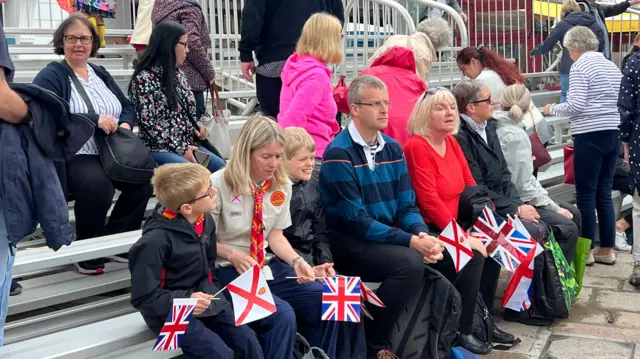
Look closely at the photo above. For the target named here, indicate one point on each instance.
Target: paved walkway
(603, 324)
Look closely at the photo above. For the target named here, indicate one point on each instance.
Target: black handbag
(124, 157)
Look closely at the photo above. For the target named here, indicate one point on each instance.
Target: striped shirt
(103, 100)
(369, 150)
(592, 100)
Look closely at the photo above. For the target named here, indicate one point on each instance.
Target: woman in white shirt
(484, 64)
(252, 210)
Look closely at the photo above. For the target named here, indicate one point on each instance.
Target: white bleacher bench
(43, 31)
(104, 339)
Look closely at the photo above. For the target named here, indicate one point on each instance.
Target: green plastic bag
(580, 262)
(567, 279)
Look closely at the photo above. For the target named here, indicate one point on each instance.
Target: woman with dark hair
(482, 63)
(165, 107)
(100, 100)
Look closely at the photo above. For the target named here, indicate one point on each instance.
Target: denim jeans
(161, 158)
(564, 87)
(6, 265)
(594, 163)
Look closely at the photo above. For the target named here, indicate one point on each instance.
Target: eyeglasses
(376, 104)
(210, 193)
(71, 39)
(488, 99)
(463, 68)
(183, 43)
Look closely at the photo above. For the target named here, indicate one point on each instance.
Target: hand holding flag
(341, 299)
(176, 324)
(455, 242)
(251, 296)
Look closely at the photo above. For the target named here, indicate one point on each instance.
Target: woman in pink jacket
(306, 98)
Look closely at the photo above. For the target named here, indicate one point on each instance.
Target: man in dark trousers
(600, 12)
(272, 33)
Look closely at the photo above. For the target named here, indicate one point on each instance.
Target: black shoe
(525, 318)
(473, 344)
(16, 288)
(91, 267)
(502, 340)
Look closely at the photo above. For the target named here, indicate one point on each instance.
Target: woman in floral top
(164, 104)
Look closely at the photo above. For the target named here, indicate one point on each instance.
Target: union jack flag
(505, 244)
(341, 299)
(176, 324)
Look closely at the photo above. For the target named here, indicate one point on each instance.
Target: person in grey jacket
(563, 218)
(571, 16)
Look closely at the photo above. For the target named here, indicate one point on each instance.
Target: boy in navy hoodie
(175, 258)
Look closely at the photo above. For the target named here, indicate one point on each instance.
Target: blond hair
(321, 38)
(257, 132)
(296, 138)
(516, 100)
(420, 119)
(175, 184)
(568, 7)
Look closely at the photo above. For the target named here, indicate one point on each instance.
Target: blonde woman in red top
(438, 169)
(439, 173)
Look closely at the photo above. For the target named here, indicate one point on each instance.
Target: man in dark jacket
(571, 18)
(272, 33)
(600, 12)
(629, 108)
(481, 147)
(176, 258)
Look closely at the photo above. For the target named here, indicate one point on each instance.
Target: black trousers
(94, 190)
(400, 269)
(200, 104)
(565, 230)
(467, 282)
(268, 92)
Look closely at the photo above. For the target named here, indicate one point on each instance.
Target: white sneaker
(590, 260)
(621, 242)
(608, 259)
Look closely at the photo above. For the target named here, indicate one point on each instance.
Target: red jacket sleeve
(422, 171)
(466, 172)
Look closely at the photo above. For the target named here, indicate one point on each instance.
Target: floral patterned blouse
(163, 129)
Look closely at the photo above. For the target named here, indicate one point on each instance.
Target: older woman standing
(76, 38)
(306, 99)
(594, 83)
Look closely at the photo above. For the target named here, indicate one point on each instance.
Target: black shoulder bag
(124, 157)
(204, 143)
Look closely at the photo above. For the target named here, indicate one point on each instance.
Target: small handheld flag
(176, 324)
(369, 296)
(455, 241)
(341, 299)
(251, 297)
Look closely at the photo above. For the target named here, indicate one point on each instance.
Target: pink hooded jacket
(306, 100)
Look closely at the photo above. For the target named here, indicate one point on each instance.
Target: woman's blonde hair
(321, 38)
(256, 133)
(516, 100)
(420, 119)
(568, 7)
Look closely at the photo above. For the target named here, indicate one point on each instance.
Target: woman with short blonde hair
(306, 99)
(252, 210)
(439, 174)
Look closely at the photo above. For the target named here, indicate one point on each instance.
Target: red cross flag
(251, 297)
(455, 241)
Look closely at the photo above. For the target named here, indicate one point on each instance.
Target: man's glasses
(71, 39)
(376, 104)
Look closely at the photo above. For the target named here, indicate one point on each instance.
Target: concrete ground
(604, 323)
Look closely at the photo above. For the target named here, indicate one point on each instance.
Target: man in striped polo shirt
(375, 230)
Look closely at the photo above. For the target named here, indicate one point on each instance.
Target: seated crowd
(303, 198)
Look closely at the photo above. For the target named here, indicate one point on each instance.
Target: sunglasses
(432, 91)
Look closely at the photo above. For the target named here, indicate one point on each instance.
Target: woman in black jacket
(87, 181)
(571, 16)
(481, 147)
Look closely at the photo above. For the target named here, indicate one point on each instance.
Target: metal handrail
(392, 4)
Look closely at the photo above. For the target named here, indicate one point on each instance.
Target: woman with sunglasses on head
(439, 174)
(482, 63)
(164, 104)
(105, 105)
